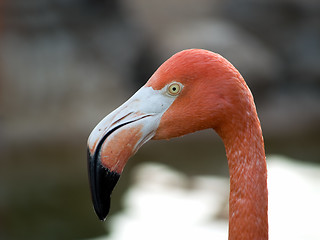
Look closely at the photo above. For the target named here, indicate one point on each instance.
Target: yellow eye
(174, 89)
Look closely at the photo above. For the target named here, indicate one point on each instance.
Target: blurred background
(65, 64)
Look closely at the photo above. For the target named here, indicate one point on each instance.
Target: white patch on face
(148, 100)
(146, 107)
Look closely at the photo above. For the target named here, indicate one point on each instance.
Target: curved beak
(117, 137)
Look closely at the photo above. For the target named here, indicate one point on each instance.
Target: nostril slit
(120, 119)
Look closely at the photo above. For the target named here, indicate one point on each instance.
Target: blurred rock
(155, 17)
(51, 89)
(73, 62)
(291, 114)
(65, 65)
(304, 53)
(258, 64)
(290, 28)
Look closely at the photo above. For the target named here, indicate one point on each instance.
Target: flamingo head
(193, 90)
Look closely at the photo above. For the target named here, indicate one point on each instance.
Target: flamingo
(193, 90)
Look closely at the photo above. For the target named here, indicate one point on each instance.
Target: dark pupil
(174, 89)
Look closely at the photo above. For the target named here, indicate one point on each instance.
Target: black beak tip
(102, 182)
(102, 209)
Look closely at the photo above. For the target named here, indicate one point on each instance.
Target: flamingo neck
(248, 202)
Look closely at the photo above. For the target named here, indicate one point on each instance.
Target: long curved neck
(248, 202)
